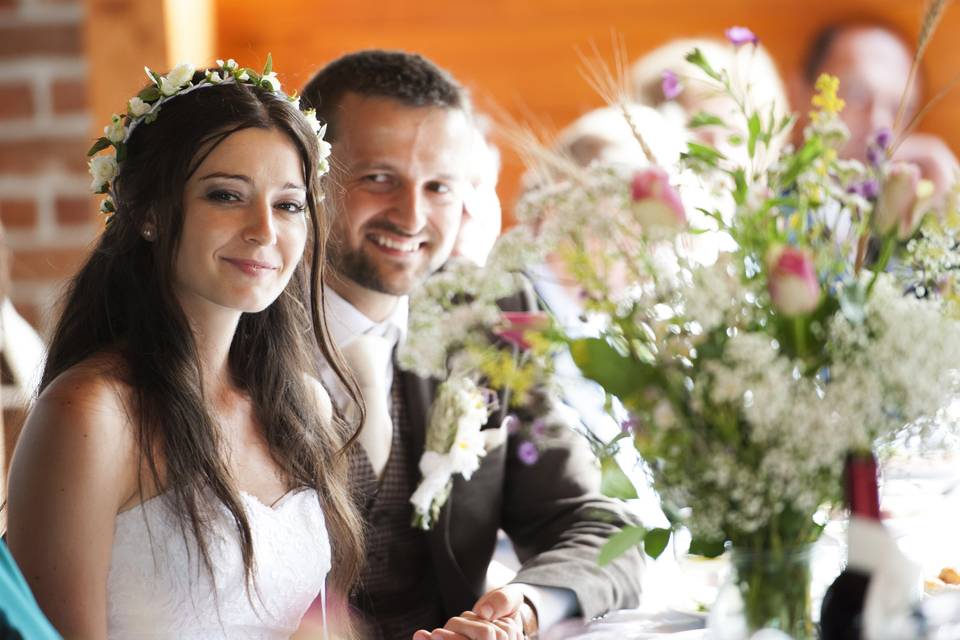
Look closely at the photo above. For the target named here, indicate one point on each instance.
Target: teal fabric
(19, 611)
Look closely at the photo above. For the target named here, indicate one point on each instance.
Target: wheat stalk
(931, 19)
(941, 94)
(613, 86)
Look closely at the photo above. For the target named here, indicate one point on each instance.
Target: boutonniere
(454, 445)
(458, 335)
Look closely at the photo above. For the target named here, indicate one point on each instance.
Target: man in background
(873, 64)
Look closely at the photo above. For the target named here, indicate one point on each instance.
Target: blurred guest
(481, 220)
(663, 79)
(22, 351)
(605, 136)
(873, 64)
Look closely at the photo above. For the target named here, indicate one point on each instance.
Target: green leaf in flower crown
(706, 548)
(704, 119)
(696, 57)
(612, 368)
(268, 67)
(157, 79)
(753, 128)
(620, 543)
(150, 94)
(98, 146)
(655, 541)
(614, 483)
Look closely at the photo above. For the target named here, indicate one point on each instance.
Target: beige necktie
(368, 356)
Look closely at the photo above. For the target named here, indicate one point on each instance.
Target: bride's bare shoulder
(78, 439)
(96, 387)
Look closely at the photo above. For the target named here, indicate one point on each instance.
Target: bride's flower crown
(145, 107)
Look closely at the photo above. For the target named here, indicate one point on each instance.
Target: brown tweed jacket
(552, 511)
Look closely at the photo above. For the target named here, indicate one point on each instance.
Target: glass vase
(765, 590)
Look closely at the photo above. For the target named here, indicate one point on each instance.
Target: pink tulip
(898, 199)
(656, 203)
(518, 323)
(792, 281)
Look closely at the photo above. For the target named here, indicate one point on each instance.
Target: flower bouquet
(750, 375)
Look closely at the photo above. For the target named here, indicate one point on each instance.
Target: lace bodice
(158, 586)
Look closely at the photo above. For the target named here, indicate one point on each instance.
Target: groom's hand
(501, 614)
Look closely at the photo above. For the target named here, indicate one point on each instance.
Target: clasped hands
(501, 614)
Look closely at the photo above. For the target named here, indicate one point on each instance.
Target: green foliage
(612, 367)
(704, 119)
(655, 541)
(707, 548)
(619, 544)
(149, 94)
(98, 146)
(696, 57)
(614, 482)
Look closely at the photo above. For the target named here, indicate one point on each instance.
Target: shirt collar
(347, 322)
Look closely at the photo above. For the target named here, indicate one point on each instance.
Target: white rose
(271, 80)
(103, 169)
(178, 76)
(311, 117)
(295, 101)
(214, 77)
(138, 107)
(115, 131)
(243, 77)
(325, 149)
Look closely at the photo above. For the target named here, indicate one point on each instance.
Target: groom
(402, 130)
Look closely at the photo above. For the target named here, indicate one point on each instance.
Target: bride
(180, 470)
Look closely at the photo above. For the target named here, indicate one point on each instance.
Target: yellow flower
(826, 101)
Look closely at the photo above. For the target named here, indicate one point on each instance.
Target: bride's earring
(148, 232)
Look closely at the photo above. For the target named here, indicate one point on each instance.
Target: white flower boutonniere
(454, 445)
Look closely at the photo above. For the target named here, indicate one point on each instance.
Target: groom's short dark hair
(408, 78)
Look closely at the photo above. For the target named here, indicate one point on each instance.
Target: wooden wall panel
(521, 54)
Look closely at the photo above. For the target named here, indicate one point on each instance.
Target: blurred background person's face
(482, 216)
(873, 65)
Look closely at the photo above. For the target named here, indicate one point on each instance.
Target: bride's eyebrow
(228, 176)
(246, 179)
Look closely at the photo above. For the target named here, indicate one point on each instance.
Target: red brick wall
(44, 133)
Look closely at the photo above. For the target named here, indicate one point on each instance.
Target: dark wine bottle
(841, 615)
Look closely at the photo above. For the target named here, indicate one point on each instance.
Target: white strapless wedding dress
(158, 586)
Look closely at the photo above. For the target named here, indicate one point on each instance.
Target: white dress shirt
(346, 322)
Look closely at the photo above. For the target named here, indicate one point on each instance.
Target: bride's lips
(252, 267)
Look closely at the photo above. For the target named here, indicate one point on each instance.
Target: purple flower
(739, 36)
(539, 428)
(670, 84)
(528, 453)
(628, 425)
(878, 145)
(868, 189)
(882, 137)
(511, 423)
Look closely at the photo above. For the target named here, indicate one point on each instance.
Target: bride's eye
(222, 195)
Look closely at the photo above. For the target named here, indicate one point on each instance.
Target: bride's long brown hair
(122, 302)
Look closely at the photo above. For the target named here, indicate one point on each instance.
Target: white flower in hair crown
(145, 107)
